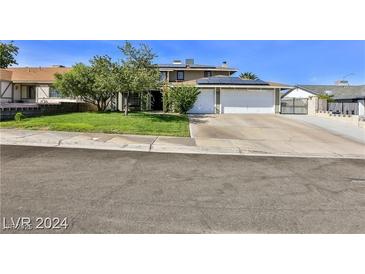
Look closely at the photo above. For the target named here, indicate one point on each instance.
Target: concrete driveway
(271, 134)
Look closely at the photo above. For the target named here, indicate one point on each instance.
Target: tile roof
(5, 75)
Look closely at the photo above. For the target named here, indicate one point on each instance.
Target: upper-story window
(180, 75)
(207, 73)
(163, 76)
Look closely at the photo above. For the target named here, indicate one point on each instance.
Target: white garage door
(248, 101)
(204, 103)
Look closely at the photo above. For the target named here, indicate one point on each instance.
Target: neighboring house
(339, 93)
(220, 92)
(347, 99)
(30, 85)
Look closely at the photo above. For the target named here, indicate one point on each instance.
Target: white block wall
(6, 91)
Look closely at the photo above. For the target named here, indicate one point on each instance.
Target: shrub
(166, 101)
(182, 98)
(327, 97)
(19, 116)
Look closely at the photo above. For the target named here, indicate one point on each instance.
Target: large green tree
(136, 72)
(94, 84)
(249, 76)
(8, 51)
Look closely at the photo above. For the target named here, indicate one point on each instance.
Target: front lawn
(134, 123)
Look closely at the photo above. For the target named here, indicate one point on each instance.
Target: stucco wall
(361, 107)
(194, 75)
(42, 92)
(16, 92)
(312, 105)
(277, 100)
(6, 91)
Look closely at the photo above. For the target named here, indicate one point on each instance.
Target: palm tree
(248, 76)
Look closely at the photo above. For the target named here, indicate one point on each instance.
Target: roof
(227, 80)
(281, 85)
(338, 92)
(5, 75)
(31, 75)
(195, 66)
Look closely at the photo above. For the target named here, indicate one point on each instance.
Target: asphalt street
(136, 192)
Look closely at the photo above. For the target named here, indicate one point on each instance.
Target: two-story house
(220, 92)
(177, 72)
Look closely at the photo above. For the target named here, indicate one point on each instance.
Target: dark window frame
(163, 79)
(208, 73)
(53, 89)
(28, 92)
(177, 75)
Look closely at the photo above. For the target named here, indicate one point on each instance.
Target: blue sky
(291, 62)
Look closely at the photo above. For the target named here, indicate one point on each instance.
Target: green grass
(113, 122)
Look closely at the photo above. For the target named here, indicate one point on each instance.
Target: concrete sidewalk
(339, 128)
(142, 143)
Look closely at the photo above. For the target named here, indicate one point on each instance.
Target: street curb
(142, 143)
(181, 150)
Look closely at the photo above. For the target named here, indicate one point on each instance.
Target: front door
(156, 100)
(27, 93)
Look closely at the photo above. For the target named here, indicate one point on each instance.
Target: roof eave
(308, 90)
(237, 86)
(32, 82)
(199, 69)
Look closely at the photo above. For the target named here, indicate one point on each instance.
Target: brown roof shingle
(32, 75)
(5, 75)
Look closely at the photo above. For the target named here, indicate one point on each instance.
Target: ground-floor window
(180, 75)
(54, 93)
(134, 100)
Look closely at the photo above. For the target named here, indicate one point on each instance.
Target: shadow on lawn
(156, 117)
(167, 117)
